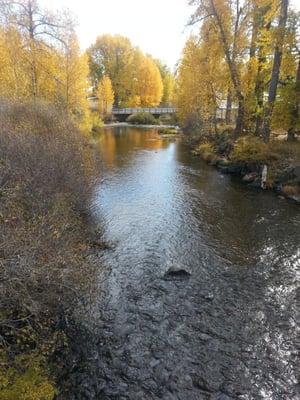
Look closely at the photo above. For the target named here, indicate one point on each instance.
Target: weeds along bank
(274, 165)
(47, 266)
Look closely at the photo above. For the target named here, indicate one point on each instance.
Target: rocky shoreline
(251, 175)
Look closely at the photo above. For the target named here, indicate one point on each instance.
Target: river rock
(294, 198)
(248, 178)
(177, 271)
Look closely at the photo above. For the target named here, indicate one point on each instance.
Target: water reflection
(227, 332)
(116, 143)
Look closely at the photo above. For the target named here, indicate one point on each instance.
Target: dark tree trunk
(275, 70)
(228, 108)
(33, 50)
(259, 95)
(259, 89)
(240, 119)
(295, 110)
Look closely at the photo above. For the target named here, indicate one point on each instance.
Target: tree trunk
(32, 50)
(275, 70)
(228, 108)
(259, 95)
(295, 110)
(240, 119)
(234, 75)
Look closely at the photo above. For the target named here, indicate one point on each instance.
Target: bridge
(121, 114)
(153, 111)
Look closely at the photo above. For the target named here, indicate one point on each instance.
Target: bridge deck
(159, 110)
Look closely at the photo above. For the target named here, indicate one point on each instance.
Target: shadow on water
(226, 331)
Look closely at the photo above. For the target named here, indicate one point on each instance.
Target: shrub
(289, 190)
(223, 141)
(250, 150)
(142, 119)
(91, 123)
(169, 131)
(204, 148)
(46, 171)
(169, 119)
(47, 175)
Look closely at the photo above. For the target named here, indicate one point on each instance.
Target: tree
(201, 77)
(112, 56)
(41, 58)
(72, 77)
(230, 19)
(39, 29)
(286, 108)
(147, 82)
(276, 69)
(168, 81)
(14, 80)
(135, 78)
(105, 96)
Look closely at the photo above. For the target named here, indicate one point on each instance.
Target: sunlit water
(229, 330)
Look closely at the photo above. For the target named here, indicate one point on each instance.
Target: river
(225, 330)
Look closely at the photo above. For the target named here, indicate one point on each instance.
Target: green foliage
(252, 150)
(27, 379)
(169, 131)
(142, 119)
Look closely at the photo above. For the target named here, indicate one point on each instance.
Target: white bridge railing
(159, 110)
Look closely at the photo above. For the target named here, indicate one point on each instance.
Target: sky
(156, 26)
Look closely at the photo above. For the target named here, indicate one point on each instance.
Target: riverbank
(274, 166)
(128, 125)
(49, 246)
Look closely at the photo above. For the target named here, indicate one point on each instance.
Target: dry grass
(45, 188)
(46, 266)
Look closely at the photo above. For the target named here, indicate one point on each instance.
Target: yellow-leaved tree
(135, 77)
(105, 96)
(146, 81)
(40, 57)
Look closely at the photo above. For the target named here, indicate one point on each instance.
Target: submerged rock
(177, 272)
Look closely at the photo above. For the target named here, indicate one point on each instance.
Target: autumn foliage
(136, 78)
(245, 59)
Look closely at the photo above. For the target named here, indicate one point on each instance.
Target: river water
(228, 329)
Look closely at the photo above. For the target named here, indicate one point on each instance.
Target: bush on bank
(46, 269)
(142, 119)
(248, 155)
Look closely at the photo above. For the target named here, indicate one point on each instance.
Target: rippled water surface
(226, 331)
